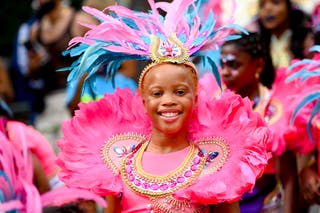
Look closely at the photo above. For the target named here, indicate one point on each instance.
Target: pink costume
(262, 107)
(103, 147)
(108, 137)
(304, 77)
(21, 135)
(285, 98)
(16, 186)
(16, 179)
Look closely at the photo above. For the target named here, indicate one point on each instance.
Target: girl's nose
(225, 71)
(168, 99)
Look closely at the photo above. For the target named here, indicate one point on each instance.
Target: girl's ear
(144, 105)
(260, 65)
(196, 100)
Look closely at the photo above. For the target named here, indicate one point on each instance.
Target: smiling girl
(170, 147)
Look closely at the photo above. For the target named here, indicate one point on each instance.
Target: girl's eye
(156, 94)
(180, 92)
(276, 1)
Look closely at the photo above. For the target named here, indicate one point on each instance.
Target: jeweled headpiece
(125, 34)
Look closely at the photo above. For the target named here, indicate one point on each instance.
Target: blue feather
(315, 48)
(308, 99)
(314, 112)
(302, 62)
(4, 175)
(303, 74)
(235, 27)
(215, 71)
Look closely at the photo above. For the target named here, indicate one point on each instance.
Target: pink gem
(129, 161)
(164, 187)
(131, 178)
(196, 160)
(137, 182)
(173, 184)
(194, 167)
(168, 49)
(180, 179)
(154, 186)
(129, 169)
(188, 174)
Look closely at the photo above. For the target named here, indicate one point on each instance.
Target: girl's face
(239, 69)
(273, 13)
(169, 96)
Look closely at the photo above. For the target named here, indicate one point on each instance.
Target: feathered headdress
(308, 71)
(129, 35)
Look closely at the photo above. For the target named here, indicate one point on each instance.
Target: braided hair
(252, 44)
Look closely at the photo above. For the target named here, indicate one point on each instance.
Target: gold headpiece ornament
(170, 51)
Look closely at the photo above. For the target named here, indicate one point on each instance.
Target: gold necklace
(159, 186)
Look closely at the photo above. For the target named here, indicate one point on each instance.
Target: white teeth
(169, 114)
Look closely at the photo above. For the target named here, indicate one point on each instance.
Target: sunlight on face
(169, 97)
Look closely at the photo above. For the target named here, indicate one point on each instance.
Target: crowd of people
(108, 109)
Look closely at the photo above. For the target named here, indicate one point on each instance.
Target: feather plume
(307, 73)
(124, 34)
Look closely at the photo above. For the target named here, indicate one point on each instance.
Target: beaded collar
(123, 153)
(147, 184)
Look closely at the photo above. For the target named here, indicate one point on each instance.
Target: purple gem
(194, 167)
(164, 187)
(200, 153)
(188, 174)
(137, 182)
(145, 185)
(180, 179)
(154, 186)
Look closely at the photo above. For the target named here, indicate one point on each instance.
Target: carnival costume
(17, 190)
(18, 193)
(103, 147)
(306, 74)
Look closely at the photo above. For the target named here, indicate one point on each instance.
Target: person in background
(6, 89)
(126, 77)
(29, 67)
(285, 30)
(247, 70)
(57, 26)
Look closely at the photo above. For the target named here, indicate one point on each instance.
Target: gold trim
(174, 205)
(219, 141)
(149, 66)
(278, 113)
(175, 173)
(106, 148)
(157, 56)
(158, 180)
(264, 100)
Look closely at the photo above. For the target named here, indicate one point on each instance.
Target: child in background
(170, 147)
(247, 70)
